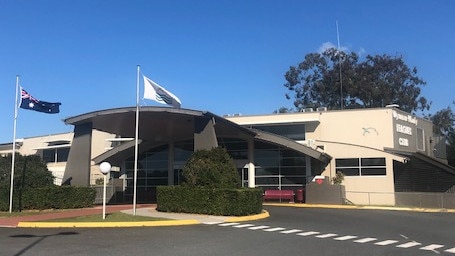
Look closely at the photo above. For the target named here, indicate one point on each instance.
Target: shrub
(338, 179)
(211, 169)
(213, 201)
(51, 197)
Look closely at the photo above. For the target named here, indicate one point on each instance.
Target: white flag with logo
(154, 91)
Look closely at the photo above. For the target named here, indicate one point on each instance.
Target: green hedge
(212, 201)
(52, 197)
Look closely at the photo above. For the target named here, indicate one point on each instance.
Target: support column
(170, 164)
(251, 167)
(307, 168)
(77, 170)
(204, 133)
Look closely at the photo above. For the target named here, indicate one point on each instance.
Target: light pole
(105, 168)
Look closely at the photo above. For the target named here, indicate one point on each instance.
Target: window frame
(364, 169)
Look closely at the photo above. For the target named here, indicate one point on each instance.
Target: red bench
(272, 194)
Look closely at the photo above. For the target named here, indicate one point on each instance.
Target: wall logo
(369, 130)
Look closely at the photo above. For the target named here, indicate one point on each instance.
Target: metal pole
(104, 197)
(13, 156)
(136, 141)
(339, 60)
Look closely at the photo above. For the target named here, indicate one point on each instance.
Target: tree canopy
(444, 125)
(337, 79)
(29, 172)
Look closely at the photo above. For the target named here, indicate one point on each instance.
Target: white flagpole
(136, 141)
(13, 156)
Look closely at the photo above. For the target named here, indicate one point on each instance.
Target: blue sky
(224, 56)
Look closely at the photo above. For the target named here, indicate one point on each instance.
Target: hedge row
(52, 197)
(212, 201)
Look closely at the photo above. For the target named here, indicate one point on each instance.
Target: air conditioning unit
(309, 143)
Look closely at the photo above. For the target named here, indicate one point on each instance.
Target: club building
(380, 151)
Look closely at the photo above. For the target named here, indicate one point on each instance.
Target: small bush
(338, 179)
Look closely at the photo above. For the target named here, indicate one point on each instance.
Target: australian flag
(29, 102)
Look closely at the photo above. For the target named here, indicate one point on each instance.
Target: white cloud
(325, 46)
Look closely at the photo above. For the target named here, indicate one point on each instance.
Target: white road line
(365, 240)
(386, 242)
(229, 224)
(259, 227)
(274, 229)
(431, 247)
(290, 231)
(344, 238)
(243, 226)
(408, 245)
(326, 235)
(309, 233)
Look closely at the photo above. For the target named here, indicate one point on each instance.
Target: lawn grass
(111, 217)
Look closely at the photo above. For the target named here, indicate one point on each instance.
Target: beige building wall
(101, 142)
(377, 190)
(34, 145)
(359, 133)
(372, 128)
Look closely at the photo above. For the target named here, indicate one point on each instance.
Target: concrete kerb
(361, 207)
(106, 224)
(175, 219)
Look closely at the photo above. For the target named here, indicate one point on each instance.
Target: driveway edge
(359, 207)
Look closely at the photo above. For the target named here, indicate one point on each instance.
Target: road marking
(386, 242)
(431, 247)
(365, 240)
(290, 231)
(243, 226)
(344, 238)
(229, 224)
(408, 245)
(308, 233)
(274, 229)
(259, 227)
(326, 235)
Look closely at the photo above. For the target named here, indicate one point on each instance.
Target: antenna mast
(339, 63)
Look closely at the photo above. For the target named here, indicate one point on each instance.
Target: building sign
(407, 118)
(403, 142)
(404, 131)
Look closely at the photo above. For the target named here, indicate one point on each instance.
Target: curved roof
(156, 124)
(163, 124)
